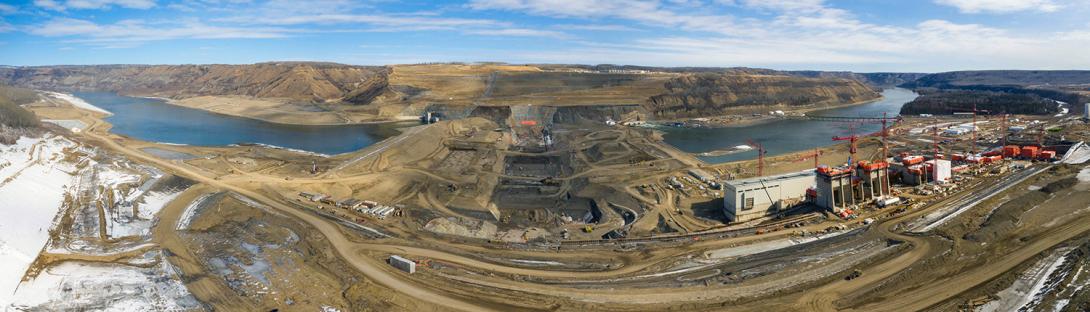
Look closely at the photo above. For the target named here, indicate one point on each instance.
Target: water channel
(156, 121)
(783, 135)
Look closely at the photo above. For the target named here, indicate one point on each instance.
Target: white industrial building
(753, 198)
(940, 171)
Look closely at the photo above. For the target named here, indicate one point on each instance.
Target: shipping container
(1011, 151)
(1030, 152)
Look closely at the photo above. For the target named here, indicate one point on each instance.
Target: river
(786, 136)
(156, 121)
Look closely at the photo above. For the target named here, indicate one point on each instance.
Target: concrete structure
(874, 179)
(403, 264)
(925, 172)
(753, 198)
(1086, 111)
(938, 170)
(840, 188)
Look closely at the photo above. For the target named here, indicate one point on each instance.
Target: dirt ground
(267, 240)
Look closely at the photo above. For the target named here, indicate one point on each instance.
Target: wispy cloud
(58, 5)
(376, 20)
(646, 12)
(8, 9)
(133, 32)
(595, 27)
(1001, 6)
(760, 33)
(519, 32)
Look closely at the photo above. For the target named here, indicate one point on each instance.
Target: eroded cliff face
(718, 94)
(310, 82)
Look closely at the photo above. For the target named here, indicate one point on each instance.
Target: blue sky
(862, 36)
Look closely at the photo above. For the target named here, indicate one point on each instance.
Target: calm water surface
(786, 136)
(156, 121)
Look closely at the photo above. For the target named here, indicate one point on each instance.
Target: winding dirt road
(820, 299)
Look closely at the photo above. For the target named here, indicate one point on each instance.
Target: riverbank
(737, 120)
(280, 111)
(156, 121)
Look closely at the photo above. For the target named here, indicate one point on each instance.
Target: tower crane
(975, 111)
(884, 133)
(851, 138)
(760, 156)
(815, 155)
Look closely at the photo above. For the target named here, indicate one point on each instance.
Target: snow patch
(105, 287)
(191, 211)
(77, 102)
(33, 181)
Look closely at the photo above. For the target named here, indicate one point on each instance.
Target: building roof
(767, 179)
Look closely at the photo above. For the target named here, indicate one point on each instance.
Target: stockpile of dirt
(462, 227)
(1006, 218)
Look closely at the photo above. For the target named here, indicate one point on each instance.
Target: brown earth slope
(328, 93)
(718, 94)
(297, 81)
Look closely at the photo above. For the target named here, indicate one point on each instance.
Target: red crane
(1003, 129)
(760, 156)
(852, 138)
(815, 155)
(972, 148)
(884, 133)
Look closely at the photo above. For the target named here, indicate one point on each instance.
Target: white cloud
(1001, 6)
(130, 33)
(595, 27)
(94, 4)
(519, 32)
(7, 9)
(376, 20)
(49, 4)
(648, 12)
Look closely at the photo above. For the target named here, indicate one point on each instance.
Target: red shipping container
(1047, 155)
(1029, 152)
(1011, 151)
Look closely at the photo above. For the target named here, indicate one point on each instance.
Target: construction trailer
(402, 264)
(753, 198)
(842, 187)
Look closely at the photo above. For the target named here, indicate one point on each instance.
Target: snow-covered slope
(33, 181)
